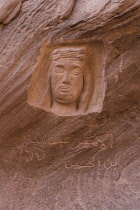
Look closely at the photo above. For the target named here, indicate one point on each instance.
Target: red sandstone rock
(82, 162)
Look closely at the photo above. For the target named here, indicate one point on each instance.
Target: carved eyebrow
(76, 66)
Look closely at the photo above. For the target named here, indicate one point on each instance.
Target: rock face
(84, 161)
(9, 9)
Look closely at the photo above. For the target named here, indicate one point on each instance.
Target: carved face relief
(67, 80)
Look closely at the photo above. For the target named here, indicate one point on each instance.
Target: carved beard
(64, 97)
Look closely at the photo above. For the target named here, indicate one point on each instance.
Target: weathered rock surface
(89, 162)
(9, 9)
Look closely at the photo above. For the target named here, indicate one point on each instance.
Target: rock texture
(89, 162)
(9, 9)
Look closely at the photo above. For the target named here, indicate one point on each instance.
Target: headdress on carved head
(77, 52)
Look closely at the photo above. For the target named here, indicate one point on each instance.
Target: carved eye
(76, 71)
(59, 69)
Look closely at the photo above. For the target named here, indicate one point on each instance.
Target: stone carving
(69, 80)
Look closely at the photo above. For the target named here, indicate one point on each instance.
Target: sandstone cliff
(83, 162)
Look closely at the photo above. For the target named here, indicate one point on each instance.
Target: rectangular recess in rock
(69, 79)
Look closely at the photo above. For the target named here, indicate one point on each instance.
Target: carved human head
(69, 79)
(67, 76)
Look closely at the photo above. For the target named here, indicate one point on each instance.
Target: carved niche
(69, 79)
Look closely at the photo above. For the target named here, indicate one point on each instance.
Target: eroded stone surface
(9, 9)
(71, 162)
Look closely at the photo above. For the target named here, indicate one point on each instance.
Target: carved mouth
(64, 88)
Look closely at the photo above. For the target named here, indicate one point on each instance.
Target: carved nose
(66, 79)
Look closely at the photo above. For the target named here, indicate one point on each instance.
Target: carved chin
(64, 98)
